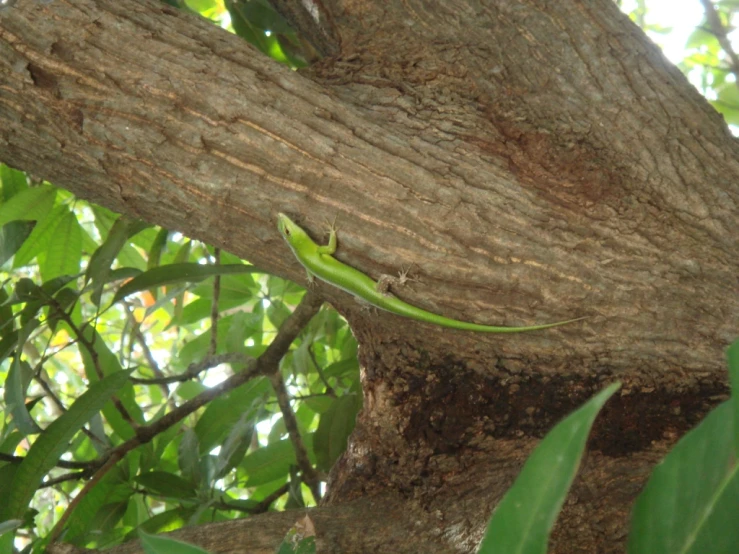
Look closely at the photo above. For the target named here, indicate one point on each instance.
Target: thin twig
(194, 369)
(310, 475)
(92, 464)
(329, 389)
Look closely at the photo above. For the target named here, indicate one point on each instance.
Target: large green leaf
(166, 484)
(525, 516)
(38, 241)
(108, 364)
(691, 501)
(17, 383)
(29, 204)
(224, 412)
(271, 462)
(53, 442)
(98, 269)
(64, 251)
(110, 489)
(12, 180)
(12, 237)
(177, 273)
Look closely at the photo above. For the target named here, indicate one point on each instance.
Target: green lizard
(319, 262)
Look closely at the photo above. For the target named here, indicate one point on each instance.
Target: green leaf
(188, 456)
(17, 383)
(153, 544)
(53, 442)
(109, 365)
(155, 253)
(12, 237)
(13, 181)
(175, 274)
(98, 269)
(237, 443)
(224, 412)
(166, 484)
(38, 297)
(168, 520)
(66, 299)
(333, 431)
(690, 503)
(111, 489)
(271, 462)
(29, 204)
(38, 241)
(525, 516)
(8, 344)
(64, 252)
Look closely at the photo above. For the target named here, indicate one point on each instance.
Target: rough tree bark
(534, 160)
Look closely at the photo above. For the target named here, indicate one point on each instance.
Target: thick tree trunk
(534, 160)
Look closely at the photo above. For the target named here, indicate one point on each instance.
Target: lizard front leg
(329, 248)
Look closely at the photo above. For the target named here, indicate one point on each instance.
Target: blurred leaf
(38, 241)
(334, 428)
(110, 490)
(166, 484)
(13, 181)
(188, 456)
(177, 273)
(691, 500)
(38, 297)
(12, 237)
(64, 251)
(182, 256)
(108, 364)
(16, 385)
(271, 462)
(168, 520)
(525, 516)
(343, 368)
(155, 253)
(29, 204)
(153, 544)
(295, 490)
(225, 411)
(98, 269)
(53, 442)
(66, 299)
(8, 344)
(236, 444)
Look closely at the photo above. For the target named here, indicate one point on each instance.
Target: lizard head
(290, 231)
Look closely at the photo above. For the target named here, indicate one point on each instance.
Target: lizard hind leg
(386, 282)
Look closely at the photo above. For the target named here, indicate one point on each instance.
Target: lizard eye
(287, 231)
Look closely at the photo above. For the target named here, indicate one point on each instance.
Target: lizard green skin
(319, 262)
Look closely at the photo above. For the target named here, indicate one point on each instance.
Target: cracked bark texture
(534, 160)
